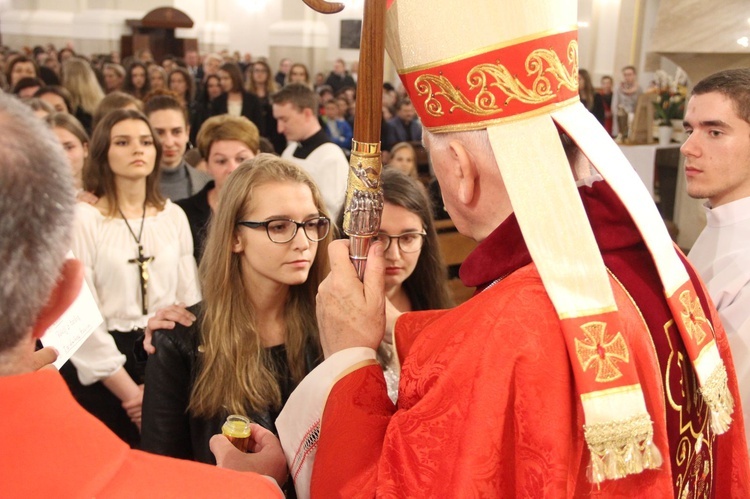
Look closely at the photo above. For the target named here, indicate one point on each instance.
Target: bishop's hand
(351, 313)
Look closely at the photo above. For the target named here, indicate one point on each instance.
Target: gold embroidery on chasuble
(693, 457)
(601, 351)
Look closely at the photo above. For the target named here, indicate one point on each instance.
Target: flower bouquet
(670, 96)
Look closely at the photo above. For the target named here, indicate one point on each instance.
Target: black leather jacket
(168, 429)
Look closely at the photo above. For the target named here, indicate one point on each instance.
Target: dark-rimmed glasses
(408, 242)
(283, 230)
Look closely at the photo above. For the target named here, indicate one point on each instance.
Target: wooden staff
(364, 195)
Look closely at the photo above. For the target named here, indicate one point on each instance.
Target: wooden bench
(454, 248)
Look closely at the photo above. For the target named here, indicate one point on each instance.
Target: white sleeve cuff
(97, 358)
(299, 422)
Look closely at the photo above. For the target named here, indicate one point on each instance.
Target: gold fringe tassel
(621, 448)
(716, 393)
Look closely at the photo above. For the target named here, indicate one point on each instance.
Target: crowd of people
(224, 289)
(208, 191)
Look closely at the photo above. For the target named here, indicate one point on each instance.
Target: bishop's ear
(464, 169)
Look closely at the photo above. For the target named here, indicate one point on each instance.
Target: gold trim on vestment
(589, 312)
(489, 48)
(479, 125)
(610, 391)
(352, 368)
(620, 448)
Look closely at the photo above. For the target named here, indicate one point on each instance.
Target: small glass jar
(237, 429)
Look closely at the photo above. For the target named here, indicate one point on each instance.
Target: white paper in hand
(69, 332)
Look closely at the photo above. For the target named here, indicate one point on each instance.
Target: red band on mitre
(530, 76)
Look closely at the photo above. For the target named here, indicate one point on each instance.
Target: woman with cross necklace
(138, 254)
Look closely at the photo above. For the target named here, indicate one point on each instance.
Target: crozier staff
(364, 196)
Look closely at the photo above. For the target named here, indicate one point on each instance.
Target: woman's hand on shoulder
(87, 197)
(166, 318)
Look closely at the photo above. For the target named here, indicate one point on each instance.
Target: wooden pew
(454, 248)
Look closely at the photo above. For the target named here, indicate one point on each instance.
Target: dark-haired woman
(415, 276)
(235, 100)
(138, 254)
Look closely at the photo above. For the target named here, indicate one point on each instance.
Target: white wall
(253, 26)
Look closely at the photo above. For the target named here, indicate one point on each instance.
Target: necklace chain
(143, 219)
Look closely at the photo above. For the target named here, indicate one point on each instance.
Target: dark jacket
(198, 213)
(250, 107)
(338, 82)
(168, 429)
(401, 132)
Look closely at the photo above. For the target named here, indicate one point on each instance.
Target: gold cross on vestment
(693, 317)
(602, 352)
(142, 262)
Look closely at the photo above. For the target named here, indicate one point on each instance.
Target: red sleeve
(408, 327)
(352, 431)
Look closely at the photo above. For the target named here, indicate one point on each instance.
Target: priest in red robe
(590, 361)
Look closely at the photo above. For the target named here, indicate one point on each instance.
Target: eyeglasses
(283, 230)
(408, 242)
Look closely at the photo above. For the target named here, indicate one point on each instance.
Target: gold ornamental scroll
(364, 198)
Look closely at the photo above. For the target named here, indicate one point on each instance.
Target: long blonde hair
(80, 80)
(235, 371)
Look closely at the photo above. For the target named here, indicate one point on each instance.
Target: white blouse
(234, 108)
(104, 245)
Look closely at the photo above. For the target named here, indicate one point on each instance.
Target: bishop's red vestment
(487, 403)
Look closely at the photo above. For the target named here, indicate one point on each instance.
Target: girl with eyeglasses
(415, 276)
(255, 335)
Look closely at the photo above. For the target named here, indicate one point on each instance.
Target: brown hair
(270, 86)
(236, 372)
(60, 91)
(425, 287)
(299, 95)
(111, 102)
(734, 84)
(163, 100)
(12, 61)
(189, 81)
(298, 65)
(98, 177)
(234, 74)
(70, 123)
(586, 92)
(127, 84)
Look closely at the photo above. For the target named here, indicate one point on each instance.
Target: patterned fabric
(487, 405)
